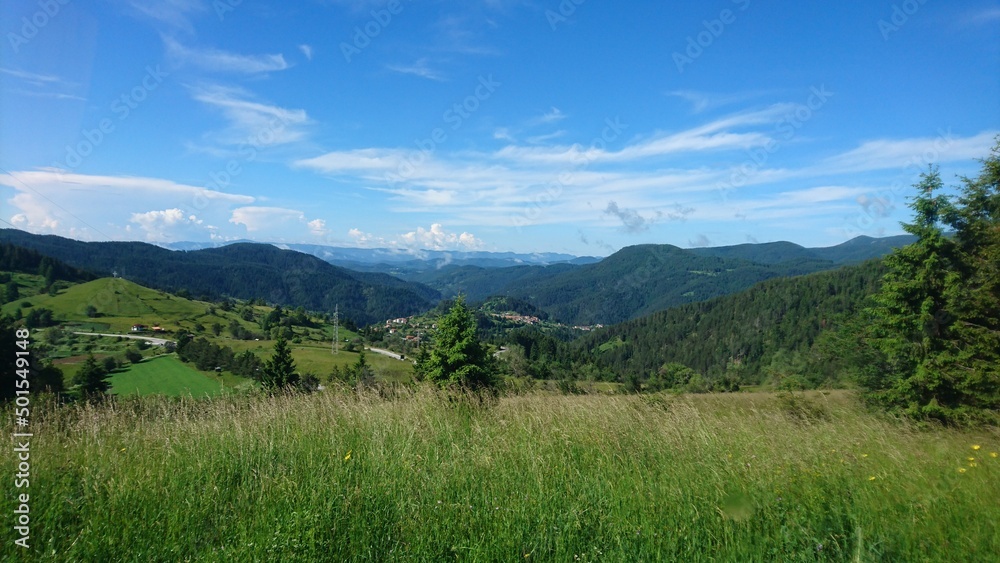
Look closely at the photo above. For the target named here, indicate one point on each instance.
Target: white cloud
(222, 61)
(99, 207)
(318, 227)
(307, 50)
(436, 238)
(260, 218)
(168, 224)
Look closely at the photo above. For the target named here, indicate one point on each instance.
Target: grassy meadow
(410, 475)
(167, 375)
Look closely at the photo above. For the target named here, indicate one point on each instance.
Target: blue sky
(575, 126)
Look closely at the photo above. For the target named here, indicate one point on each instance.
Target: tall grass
(418, 477)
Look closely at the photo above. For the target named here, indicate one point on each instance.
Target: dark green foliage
(110, 364)
(14, 258)
(133, 355)
(360, 374)
(11, 291)
(739, 334)
(934, 329)
(208, 356)
(279, 371)
(92, 380)
(640, 280)
(39, 318)
(458, 358)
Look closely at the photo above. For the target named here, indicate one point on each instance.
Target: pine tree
(458, 358)
(92, 379)
(279, 371)
(975, 303)
(935, 325)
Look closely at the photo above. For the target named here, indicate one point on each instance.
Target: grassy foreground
(340, 477)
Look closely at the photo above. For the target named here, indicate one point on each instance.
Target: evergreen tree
(934, 326)
(279, 371)
(458, 358)
(973, 360)
(92, 379)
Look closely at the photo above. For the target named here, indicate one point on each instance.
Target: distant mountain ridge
(242, 270)
(854, 251)
(633, 282)
(642, 279)
(387, 259)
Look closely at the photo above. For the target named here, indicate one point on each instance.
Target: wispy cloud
(551, 116)
(881, 154)
(42, 85)
(215, 60)
(174, 14)
(33, 78)
(419, 68)
(251, 121)
(701, 101)
(668, 176)
(307, 50)
(984, 16)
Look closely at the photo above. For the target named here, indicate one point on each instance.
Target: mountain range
(631, 283)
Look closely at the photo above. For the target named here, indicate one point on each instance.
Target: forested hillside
(743, 333)
(244, 271)
(641, 280)
(26, 261)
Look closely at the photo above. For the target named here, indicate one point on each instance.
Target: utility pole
(336, 329)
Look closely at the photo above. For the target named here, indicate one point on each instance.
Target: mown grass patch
(165, 375)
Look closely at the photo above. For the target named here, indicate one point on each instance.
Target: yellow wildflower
(970, 458)
(993, 454)
(872, 478)
(961, 470)
(972, 464)
(348, 456)
(864, 455)
(975, 447)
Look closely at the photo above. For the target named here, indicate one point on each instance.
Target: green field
(539, 477)
(165, 375)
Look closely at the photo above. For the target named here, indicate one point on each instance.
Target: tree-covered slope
(640, 280)
(746, 329)
(246, 271)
